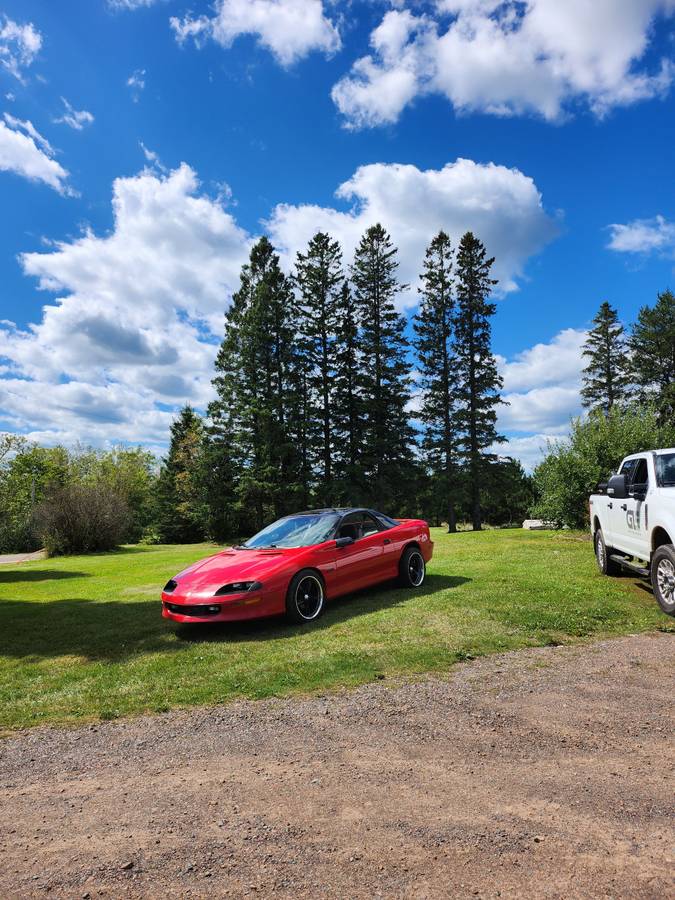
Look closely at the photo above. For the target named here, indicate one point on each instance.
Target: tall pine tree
(348, 402)
(606, 377)
(386, 456)
(652, 345)
(257, 401)
(433, 330)
(179, 513)
(320, 278)
(478, 381)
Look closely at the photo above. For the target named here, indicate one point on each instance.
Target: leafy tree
(478, 382)
(508, 492)
(254, 408)
(573, 467)
(179, 514)
(606, 377)
(81, 518)
(320, 279)
(348, 401)
(652, 345)
(433, 330)
(386, 437)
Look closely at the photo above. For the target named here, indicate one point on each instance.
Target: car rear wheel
(306, 597)
(663, 578)
(412, 569)
(602, 556)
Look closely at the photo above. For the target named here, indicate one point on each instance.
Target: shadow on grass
(341, 610)
(114, 631)
(30, 575)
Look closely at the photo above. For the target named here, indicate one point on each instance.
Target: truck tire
(663, 577)
(602, 553)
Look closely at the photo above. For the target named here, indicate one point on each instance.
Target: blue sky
(145, 143)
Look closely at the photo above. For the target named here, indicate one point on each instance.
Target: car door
(627, 515)
(361, 562)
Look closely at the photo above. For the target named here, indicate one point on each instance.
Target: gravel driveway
(542, 773)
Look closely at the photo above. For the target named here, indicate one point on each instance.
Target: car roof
(341, 510)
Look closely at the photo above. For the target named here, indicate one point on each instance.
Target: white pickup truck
(633, 522)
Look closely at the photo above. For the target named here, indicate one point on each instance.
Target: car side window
(370, 525)
(640, 474)
(351, 526)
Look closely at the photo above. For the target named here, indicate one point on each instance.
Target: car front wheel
(306, 597)
(663, 578)
(412, 569)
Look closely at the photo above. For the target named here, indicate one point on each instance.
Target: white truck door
(629, 532)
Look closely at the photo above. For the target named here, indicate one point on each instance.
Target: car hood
(231, 565)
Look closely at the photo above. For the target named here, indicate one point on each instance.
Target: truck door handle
(387, 541)
(624, 507)
(610, 506)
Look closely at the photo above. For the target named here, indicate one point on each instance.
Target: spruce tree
(433, 330)
(319, 278)
(347, 403)
(605, 378)
(478, 381)
(179, 509)
(255, 402)
(652, 346)
(386, 440)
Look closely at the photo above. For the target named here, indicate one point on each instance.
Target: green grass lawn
(82, 637)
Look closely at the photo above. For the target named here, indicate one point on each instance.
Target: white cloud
(137, 317)
(130, 4)
(75, 118)
(25, 152)
(136, 82)
(644, 236)
(508, 58)
(289, 29)
(502, 206)
(557, 362)
(19, 45)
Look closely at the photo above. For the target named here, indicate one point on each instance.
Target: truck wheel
(606, 565)
(663, 578)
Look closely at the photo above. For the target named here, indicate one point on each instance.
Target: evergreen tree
(652, 345)
(319, 277)
(256, 402)
(433, 329)
(347, 404)
(179, 513)
(478, 382)
(385, 447)
(606, 377)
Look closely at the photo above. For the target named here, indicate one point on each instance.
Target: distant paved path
(542, 773)
(22, 557)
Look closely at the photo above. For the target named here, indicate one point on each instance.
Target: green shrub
(81, 518)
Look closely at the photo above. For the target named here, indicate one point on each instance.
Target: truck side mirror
(617, 487)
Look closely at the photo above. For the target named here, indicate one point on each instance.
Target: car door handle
(624, 507)
(387, 541)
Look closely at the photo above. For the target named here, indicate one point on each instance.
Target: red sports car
(295, 564)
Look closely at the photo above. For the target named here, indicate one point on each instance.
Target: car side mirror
(343, 542)
(617, 487)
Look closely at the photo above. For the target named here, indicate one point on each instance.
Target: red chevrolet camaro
(297, 563)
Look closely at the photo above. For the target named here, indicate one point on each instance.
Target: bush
(81, 518)
(573, 468)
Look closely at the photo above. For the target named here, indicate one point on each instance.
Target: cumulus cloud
(643, 236)
(505, 57)
(134, 328)
(289, 29)
(502, 206)
(25, 152)
(130, 4)
(136, 83)
(19, 45)
(74, 118)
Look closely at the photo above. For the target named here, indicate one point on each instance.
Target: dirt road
(544, 773)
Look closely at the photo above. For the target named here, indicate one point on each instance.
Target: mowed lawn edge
(82, 638)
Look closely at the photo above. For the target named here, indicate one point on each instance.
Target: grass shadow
(32, 575)
(341, 610)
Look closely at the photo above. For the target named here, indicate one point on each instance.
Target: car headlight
(171, 585)
(238, 587)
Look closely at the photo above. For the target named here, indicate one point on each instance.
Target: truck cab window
(640, 474)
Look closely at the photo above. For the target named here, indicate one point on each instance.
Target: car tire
(306, 597)
(663, 577)
(412, 569)
(602, 555)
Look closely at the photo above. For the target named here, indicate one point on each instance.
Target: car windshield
(295, 531)
(665, 469)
